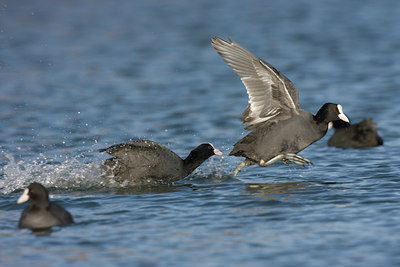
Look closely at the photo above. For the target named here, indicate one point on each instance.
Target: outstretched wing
(272, 96)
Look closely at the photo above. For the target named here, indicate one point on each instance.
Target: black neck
(192, 162)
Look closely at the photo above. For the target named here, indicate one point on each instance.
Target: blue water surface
(78, 76)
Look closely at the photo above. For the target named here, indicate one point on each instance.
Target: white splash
(65, 173)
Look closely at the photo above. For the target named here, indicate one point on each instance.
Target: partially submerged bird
(148, 161)
(280, 127)
(41, 213)
(362, 134)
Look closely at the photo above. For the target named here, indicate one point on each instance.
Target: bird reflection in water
(275, 190)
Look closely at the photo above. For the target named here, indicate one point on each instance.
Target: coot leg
(239, 167)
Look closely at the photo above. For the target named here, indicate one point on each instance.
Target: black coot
(148, 161)
(362, 134)
(41, 213)
(280, 127)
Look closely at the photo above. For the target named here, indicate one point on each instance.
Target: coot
(148, 161)
(362, 134)
(41, 213)
(280, 127)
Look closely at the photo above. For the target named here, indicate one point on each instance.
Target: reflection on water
(275, 190)
(157, 189)
(42, 232)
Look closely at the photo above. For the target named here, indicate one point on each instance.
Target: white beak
(24, 197)
(341, 114)
(217, 152)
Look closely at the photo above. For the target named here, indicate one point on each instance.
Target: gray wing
(141, 153)
(272, 96)
(61, 214)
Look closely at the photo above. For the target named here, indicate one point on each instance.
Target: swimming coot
(148, 161)
(280, 127)
(41, 213)
(362, 134)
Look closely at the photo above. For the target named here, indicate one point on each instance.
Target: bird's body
(280, 128)
(289, 136)
(35, 218)
(362, 134)
(41, 213)
(144, 161)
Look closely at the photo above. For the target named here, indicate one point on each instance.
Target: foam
(66, 173)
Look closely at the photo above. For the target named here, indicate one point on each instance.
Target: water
(78, 76)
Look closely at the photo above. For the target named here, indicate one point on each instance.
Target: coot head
(204, 151)
(329, 113)
(36, 194)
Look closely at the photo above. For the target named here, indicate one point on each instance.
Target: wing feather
(272, 96)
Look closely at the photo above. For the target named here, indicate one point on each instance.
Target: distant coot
(280, 127)
(362, 134)
(148, 161)
(41, 213)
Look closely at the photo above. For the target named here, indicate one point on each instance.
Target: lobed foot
(286, 159)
